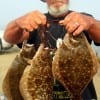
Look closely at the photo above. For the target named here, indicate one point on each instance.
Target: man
(61, 20)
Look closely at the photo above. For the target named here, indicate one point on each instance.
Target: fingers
(72, 26)
(75, 23)
(69, 18)
(79, 30)
(39, 18)
(31, 21)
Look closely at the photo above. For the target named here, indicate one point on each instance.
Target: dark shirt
(57, 31)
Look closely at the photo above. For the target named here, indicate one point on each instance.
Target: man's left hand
(76, 22)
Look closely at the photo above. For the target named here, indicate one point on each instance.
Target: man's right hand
(31, 21)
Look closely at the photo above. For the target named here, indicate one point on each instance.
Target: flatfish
(37, 80)
(11, 80)
(74, 64)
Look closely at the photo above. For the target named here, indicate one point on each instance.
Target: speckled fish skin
(74, 64)
(14, 73)
(37, 80)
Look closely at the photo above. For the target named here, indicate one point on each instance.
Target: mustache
(53, 1)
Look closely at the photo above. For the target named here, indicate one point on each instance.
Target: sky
(11, 9)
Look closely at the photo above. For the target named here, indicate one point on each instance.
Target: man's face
(57, 7)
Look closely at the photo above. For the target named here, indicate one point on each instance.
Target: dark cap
(43, 0)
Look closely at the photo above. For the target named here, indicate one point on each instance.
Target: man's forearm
(14, 34)
(95, 31)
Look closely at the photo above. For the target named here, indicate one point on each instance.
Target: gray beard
(58, 11)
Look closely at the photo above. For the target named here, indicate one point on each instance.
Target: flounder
(11, 80)
(74, 64)
(37, 80)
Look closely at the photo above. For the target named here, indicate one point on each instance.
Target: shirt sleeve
(31, 40)
(95, 43)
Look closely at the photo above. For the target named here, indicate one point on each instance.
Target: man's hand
(76, 23)
(31, 21)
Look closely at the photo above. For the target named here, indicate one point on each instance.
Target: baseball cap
(43, 0)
